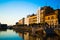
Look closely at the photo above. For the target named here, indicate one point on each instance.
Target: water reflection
(25, 35)
(28, 36)
(3, 29)
(9, 35)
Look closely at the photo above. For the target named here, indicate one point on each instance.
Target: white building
(26, 21)
(38, 15)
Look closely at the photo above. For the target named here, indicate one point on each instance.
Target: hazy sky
(13, 10)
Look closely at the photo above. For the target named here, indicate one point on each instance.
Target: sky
(11, 11)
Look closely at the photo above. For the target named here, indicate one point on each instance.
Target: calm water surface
(9, 35)
(14, 35)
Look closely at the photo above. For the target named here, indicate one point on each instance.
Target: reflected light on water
(9, 35)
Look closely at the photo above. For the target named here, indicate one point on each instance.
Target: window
(52, 17)
(48, 18)
(56, 22)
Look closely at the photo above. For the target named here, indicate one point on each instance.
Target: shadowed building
(57, 11)
(3, 26)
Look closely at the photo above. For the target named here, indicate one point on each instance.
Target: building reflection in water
(27, 36)
(3, 29)
(17, 35)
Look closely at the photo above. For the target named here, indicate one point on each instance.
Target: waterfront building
(49, 15)
(21, 21)
(26, 21)
(57, 11)
(44, 14)
(45, 11)
(32, 19)
(3, 26)
(38, 15)
(51, 18)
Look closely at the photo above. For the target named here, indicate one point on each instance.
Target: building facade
(32, 19)
(38, 15)
(26, 21)
(44, 14)
(51, 19)
(49, 15)
(21, 21)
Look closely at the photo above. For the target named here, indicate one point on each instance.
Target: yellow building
(51, 19)
(21, 21)
(49, 15)
(32, 19)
